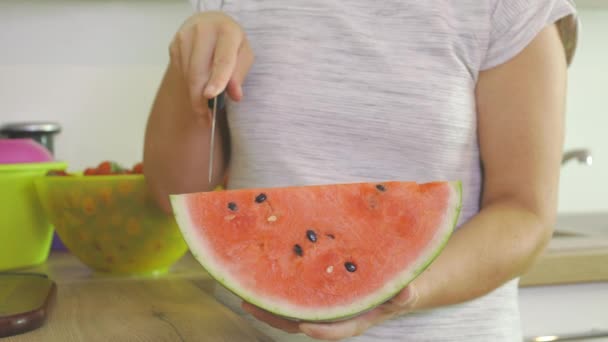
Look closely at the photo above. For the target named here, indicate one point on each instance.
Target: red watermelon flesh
(323, 252)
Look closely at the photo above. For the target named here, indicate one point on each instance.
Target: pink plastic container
(19, 151)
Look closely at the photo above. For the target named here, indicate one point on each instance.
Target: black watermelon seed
(232, 206)
(311, 235)
(350, 267)
(380, 187)
(331, 236)
(260, 198)
(298, 250)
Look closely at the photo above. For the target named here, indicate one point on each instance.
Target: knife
(215, 104)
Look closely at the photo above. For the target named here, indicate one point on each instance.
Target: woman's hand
(209, 53)
(400, 304)
(212, 53)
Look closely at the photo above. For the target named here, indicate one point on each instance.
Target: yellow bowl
(25, 232)
(111, 223)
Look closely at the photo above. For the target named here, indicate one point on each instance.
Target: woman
(358, 90)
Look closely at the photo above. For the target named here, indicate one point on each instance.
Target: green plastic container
(25, 232)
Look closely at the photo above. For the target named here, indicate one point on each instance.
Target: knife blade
(215, 104)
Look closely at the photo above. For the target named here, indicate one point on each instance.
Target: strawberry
(109, 168)
(138, 168)
(90, 171)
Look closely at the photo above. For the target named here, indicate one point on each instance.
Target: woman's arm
(176, 149)
(521, 131)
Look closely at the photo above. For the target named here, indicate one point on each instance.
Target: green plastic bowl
(25, 232)
(111, 223)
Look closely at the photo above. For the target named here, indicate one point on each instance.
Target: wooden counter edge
(568, 267)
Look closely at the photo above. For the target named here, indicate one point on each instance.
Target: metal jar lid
(31, 127)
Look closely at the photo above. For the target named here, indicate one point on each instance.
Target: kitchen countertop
(578, 253)
(569, 260)
(186, 304)
(176, 306)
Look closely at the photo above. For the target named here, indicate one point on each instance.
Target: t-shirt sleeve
(515, 23)
(197, 5)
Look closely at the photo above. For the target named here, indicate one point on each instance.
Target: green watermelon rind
(379, 297)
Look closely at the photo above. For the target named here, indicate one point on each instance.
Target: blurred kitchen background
(94, 66)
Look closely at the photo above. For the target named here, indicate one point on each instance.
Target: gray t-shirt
(360, 90)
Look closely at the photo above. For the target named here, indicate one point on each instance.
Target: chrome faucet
(581, 155)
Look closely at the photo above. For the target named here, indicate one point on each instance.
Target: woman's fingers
(270, 319)
(406, 298)
(210, 52)
(343, 329)
(243, 65)
(224, 59)
(198, 70)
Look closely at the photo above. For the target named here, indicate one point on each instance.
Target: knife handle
(219, 99)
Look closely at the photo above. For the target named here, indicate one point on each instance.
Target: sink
(588, 224)
(580, 231)
(580, 224)
(565, 234)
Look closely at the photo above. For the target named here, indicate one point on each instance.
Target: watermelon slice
(322, 252)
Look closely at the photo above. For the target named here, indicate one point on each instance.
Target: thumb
(407, 298)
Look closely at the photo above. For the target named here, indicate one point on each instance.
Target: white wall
(94, 66)
(582, 188)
